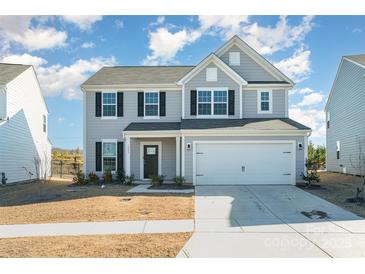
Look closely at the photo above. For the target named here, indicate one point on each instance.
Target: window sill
(264, 112)
(151, 117)
(109, 117)
(213, 116)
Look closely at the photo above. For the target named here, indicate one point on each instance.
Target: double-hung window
(109, 104)
(338, 149)
(212, 102)
(264, 101)
(109, 156)
(151, 104)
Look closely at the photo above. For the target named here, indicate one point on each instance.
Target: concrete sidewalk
(96, 228)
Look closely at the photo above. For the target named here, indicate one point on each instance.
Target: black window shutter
(140, 104)
(98, 104)
(193, 102)
(120, 106)
(162, 103)
(231, 102)
(98, 156)
(120, 156)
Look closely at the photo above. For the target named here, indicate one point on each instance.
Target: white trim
(352, 61)
(152, 133)
(116, 153)
(141, 162)
(259, 111)
(177, 155)
(127, 155)
(305, 152)
(84, 133)
(238, 132)
(293, 142)
(144, 104)
(258, 58)
(212, 58)
(183, 101)
(102, 105)
(268, 85)
(286, 103)
(183, 156)
(241, 103)
(211, 115)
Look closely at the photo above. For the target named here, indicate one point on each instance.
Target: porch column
(178, 156)
(127, 155)
(183, 156)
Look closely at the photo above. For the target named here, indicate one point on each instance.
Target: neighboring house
(25, 151)
(223, 121)
(345, 118)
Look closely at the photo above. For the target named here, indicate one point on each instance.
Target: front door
(150, 159)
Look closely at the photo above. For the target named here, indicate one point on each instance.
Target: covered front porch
(149, 153)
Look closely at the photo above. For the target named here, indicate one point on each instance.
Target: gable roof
(265, 64)
(127, 75)
(9, 72)
(219, 63)
(355, 59)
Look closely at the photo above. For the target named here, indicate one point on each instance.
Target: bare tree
(42, 166)
(357, 162)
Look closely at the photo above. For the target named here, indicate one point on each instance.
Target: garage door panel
(244, 163)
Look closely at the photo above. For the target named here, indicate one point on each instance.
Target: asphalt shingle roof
(357, 58)
(124, 75)
(247, 124)
(9, 72)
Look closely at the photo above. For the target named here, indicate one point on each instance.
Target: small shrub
(93, 178)
(121, 176)
(179, 180)
(79, 178)
(128, 180)
(157, 180)
(312, 175)
(107, 176)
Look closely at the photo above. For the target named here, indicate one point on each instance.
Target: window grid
(265, 101)
(212, 102)
(109, 104)
(151, 104)
(109, 156)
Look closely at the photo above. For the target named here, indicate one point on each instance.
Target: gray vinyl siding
(189, 153)
(347, 118)
(97, 128)
(248, 69)
(249, 104)
(223, 80)
(168, 161)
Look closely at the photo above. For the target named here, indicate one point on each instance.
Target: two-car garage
(244, 162)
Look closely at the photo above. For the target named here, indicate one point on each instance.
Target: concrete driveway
(271, 221)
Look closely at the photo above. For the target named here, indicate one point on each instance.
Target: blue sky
(66, 50)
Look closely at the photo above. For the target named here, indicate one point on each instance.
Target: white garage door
(244, 163)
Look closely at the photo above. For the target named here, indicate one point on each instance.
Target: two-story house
(25, 151)
(345, 118)
(223, 121)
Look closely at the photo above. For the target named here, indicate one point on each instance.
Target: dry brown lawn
(20, 204)
(110, 246)
(337, 187)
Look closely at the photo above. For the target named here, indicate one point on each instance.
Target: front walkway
(271, 221)
(96, 228)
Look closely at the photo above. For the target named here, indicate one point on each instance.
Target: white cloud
(19, 29)
(165, 44)
(60, 120)
(25, 59)
(296, 67)
(84, 22)
(312, 99)
(119, 23)
(160, 20)
(226, 26)
(301, 91)
(268, 40)
(66, 80)
(313, 118)
(357, 30)
(88, 45)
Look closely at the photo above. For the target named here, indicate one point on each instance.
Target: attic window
(234, 59)
(211, 75)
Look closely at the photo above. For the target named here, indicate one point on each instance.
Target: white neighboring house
(25, 150)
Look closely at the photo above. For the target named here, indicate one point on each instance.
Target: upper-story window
(211, 74)
(109, 104)
(212, 102)
(151, 104)
(234, 59)
(44, 123)
(264, 101)
(338, 149)
(328, 119)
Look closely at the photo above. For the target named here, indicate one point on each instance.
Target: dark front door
(150, 157)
